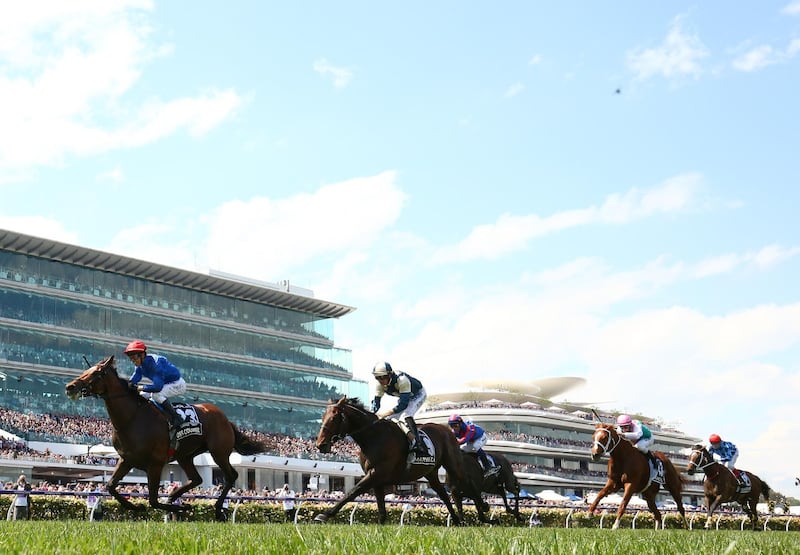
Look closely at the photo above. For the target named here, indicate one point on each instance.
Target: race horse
(384, 454)
(721, 486)
(141, 438)
(501, 483)
(628, 469)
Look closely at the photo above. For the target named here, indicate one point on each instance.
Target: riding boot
(418, 447)
(488, 468)
(174, 421)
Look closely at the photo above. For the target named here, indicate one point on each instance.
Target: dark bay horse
(501, 483)
(629, 470)
(384, 452)
(142, 440)
(720, 485)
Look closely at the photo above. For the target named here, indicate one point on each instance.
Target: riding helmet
(137, 346)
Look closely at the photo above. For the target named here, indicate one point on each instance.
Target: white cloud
(765, 55)
(69, 67)
(536, 59)
(341, 75)
(286, 233)
(512, 233)
(39, 226)
(514, 90)
(792, 8)
(679, 55)
(114, 175)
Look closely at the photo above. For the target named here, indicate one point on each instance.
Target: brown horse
(142, 440)
(501, 483)
(628, 469)
(384, 454)
(721, 486)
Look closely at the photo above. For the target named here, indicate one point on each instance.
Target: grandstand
(264, 353)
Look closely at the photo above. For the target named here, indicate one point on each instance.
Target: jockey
(638, 434)
(724, 452)
(166, 378)
(411, 394)
(472, 438)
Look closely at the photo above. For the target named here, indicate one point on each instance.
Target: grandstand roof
(511, 391)
(82, 256)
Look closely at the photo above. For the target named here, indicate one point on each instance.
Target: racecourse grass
(43, 537)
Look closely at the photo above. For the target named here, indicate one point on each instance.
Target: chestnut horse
(142, 440)
(720, 485)
(501, 483)
(629, 469)
(384, 454)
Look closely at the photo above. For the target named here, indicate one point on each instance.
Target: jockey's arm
(376, 402)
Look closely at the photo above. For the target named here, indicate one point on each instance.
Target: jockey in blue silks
(410, 393)
(165, 377)
(725, 453)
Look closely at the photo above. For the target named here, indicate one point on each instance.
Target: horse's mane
(356, 403)
(123, 382)
(698, 447)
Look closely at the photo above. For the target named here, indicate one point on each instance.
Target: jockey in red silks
(472, 438)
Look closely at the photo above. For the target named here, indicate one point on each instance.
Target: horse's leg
(120, 471)
(153, 479)
(752, 508)
(364, 484)
(229, 476)
(458, 501)
(438, 487)
(627, 493)
(380, 500)
(610, 487)
(712, 505)
(193, 476)
(651, 504)
(675, 487)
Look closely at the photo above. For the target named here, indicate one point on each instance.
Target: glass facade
(268, 367)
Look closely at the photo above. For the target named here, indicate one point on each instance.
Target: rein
(352, 433)
(709, 463)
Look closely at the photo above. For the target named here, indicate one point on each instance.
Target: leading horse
(721, 486)
(384, 454)
(142, 440)
(628, 469)
(501, 483)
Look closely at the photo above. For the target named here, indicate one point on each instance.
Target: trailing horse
(628, 469)
(384, 454)
(721, 486)
(141, 438)
(501, 483)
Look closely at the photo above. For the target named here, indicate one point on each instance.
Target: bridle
(99, 373)
(698, 465)
(609, 444)
(339, 418)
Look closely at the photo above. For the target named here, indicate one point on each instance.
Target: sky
(515, 191)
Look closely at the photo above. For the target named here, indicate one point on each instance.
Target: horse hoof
(321, 518)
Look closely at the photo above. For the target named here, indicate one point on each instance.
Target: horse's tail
(765, 489)
(681, 480)
(245, 445)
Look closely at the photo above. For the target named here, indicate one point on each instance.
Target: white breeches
(413, 406)
(730, 464)
(473, 446)
(644, 445)
(169, 390)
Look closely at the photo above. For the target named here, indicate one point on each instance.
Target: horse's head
(699, 459)
(94, 381)
(342, 418)
(604, 440)
(333, 425)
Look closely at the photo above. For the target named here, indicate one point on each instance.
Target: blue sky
(466, 176)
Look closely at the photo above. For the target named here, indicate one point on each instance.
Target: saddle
(743, 484)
